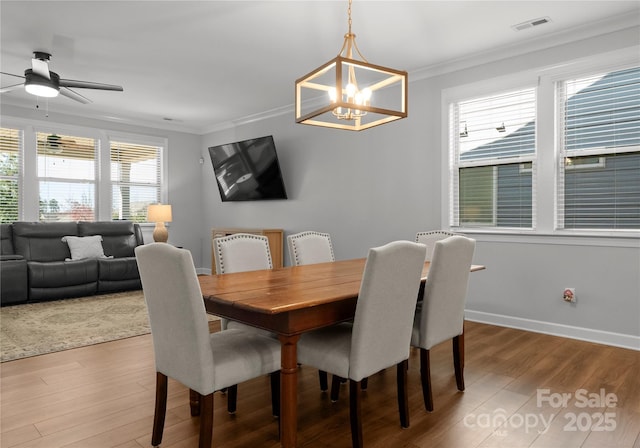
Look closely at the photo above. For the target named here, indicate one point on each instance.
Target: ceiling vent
(531, 23)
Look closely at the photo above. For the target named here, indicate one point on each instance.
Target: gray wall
(384, 184)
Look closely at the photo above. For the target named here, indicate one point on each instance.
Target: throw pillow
(85, 246)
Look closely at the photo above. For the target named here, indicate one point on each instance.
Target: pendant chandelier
(352, 94)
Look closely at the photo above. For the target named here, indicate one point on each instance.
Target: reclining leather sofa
(37, 265)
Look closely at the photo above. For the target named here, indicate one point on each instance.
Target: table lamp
(159, 213)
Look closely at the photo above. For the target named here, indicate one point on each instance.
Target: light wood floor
(102, 396)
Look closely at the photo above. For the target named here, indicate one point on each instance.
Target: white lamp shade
(159, 213)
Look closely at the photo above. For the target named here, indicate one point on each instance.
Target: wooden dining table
(288, 302)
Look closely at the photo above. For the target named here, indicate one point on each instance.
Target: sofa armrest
(13, 284)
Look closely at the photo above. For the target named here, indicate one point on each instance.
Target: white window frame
(29, 195)
(451, 164)
(547, 154)
(18, 177)
(78, 132)
(601, 152)
(139, 140)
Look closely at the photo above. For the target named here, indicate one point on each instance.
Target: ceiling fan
(40, 81)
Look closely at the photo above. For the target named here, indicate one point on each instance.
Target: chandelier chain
(349, 14)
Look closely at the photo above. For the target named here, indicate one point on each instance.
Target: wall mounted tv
(248, 170)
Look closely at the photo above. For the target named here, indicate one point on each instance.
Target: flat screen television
(248, 170)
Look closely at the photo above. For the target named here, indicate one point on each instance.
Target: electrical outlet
(569, 295)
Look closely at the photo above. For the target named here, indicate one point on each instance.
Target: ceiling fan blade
(40, 68)
(11, 88)
(11, 74)
(89, 85)
(74, 96)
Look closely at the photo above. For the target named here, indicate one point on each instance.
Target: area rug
(39, 328)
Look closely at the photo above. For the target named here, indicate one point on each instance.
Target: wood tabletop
(291, 288)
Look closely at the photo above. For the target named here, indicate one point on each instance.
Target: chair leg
(206, 421)
(403, 393)
(324, 383)
(425, 376)
(458, 360)
(194, 403)
(335, 388)
(354, 414)
(275, 393)
(161, 409)
(232, 398)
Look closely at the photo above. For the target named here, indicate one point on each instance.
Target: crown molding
(594, 29)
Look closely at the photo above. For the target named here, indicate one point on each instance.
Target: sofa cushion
(119, 238)
(118, 274)
(42, 241)
(84, 246)
(58, 274)
(118, 269)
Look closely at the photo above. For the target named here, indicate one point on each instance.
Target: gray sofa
(36, 264)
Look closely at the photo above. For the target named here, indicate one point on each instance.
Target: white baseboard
(568, 331)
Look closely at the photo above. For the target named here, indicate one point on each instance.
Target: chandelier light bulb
(332, 95)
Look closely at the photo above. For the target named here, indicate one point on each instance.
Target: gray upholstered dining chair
(440, 315)
(310, 247)
(380, 333)
(184, 348)
(241, 252)
(429, 239)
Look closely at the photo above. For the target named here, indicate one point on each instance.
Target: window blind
(599, 157)
(493, 140)
(136, 177)
(66, 177)
(10, 162)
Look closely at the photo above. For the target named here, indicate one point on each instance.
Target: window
(493, 161)
(135, 179)
(66, 177)
(78, 174)
(569, 166)
(10, 151)
(599, 142)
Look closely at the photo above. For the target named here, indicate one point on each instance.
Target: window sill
(607, 239)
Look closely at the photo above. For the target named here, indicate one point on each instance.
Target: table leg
(288, 391)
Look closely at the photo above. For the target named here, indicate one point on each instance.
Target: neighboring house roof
(517, 143)
(603, 114)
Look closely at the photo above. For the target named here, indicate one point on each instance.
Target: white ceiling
(203, 64)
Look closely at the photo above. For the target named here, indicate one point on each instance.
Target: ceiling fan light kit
(351, 94)
(41, 82)
(41, 86)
